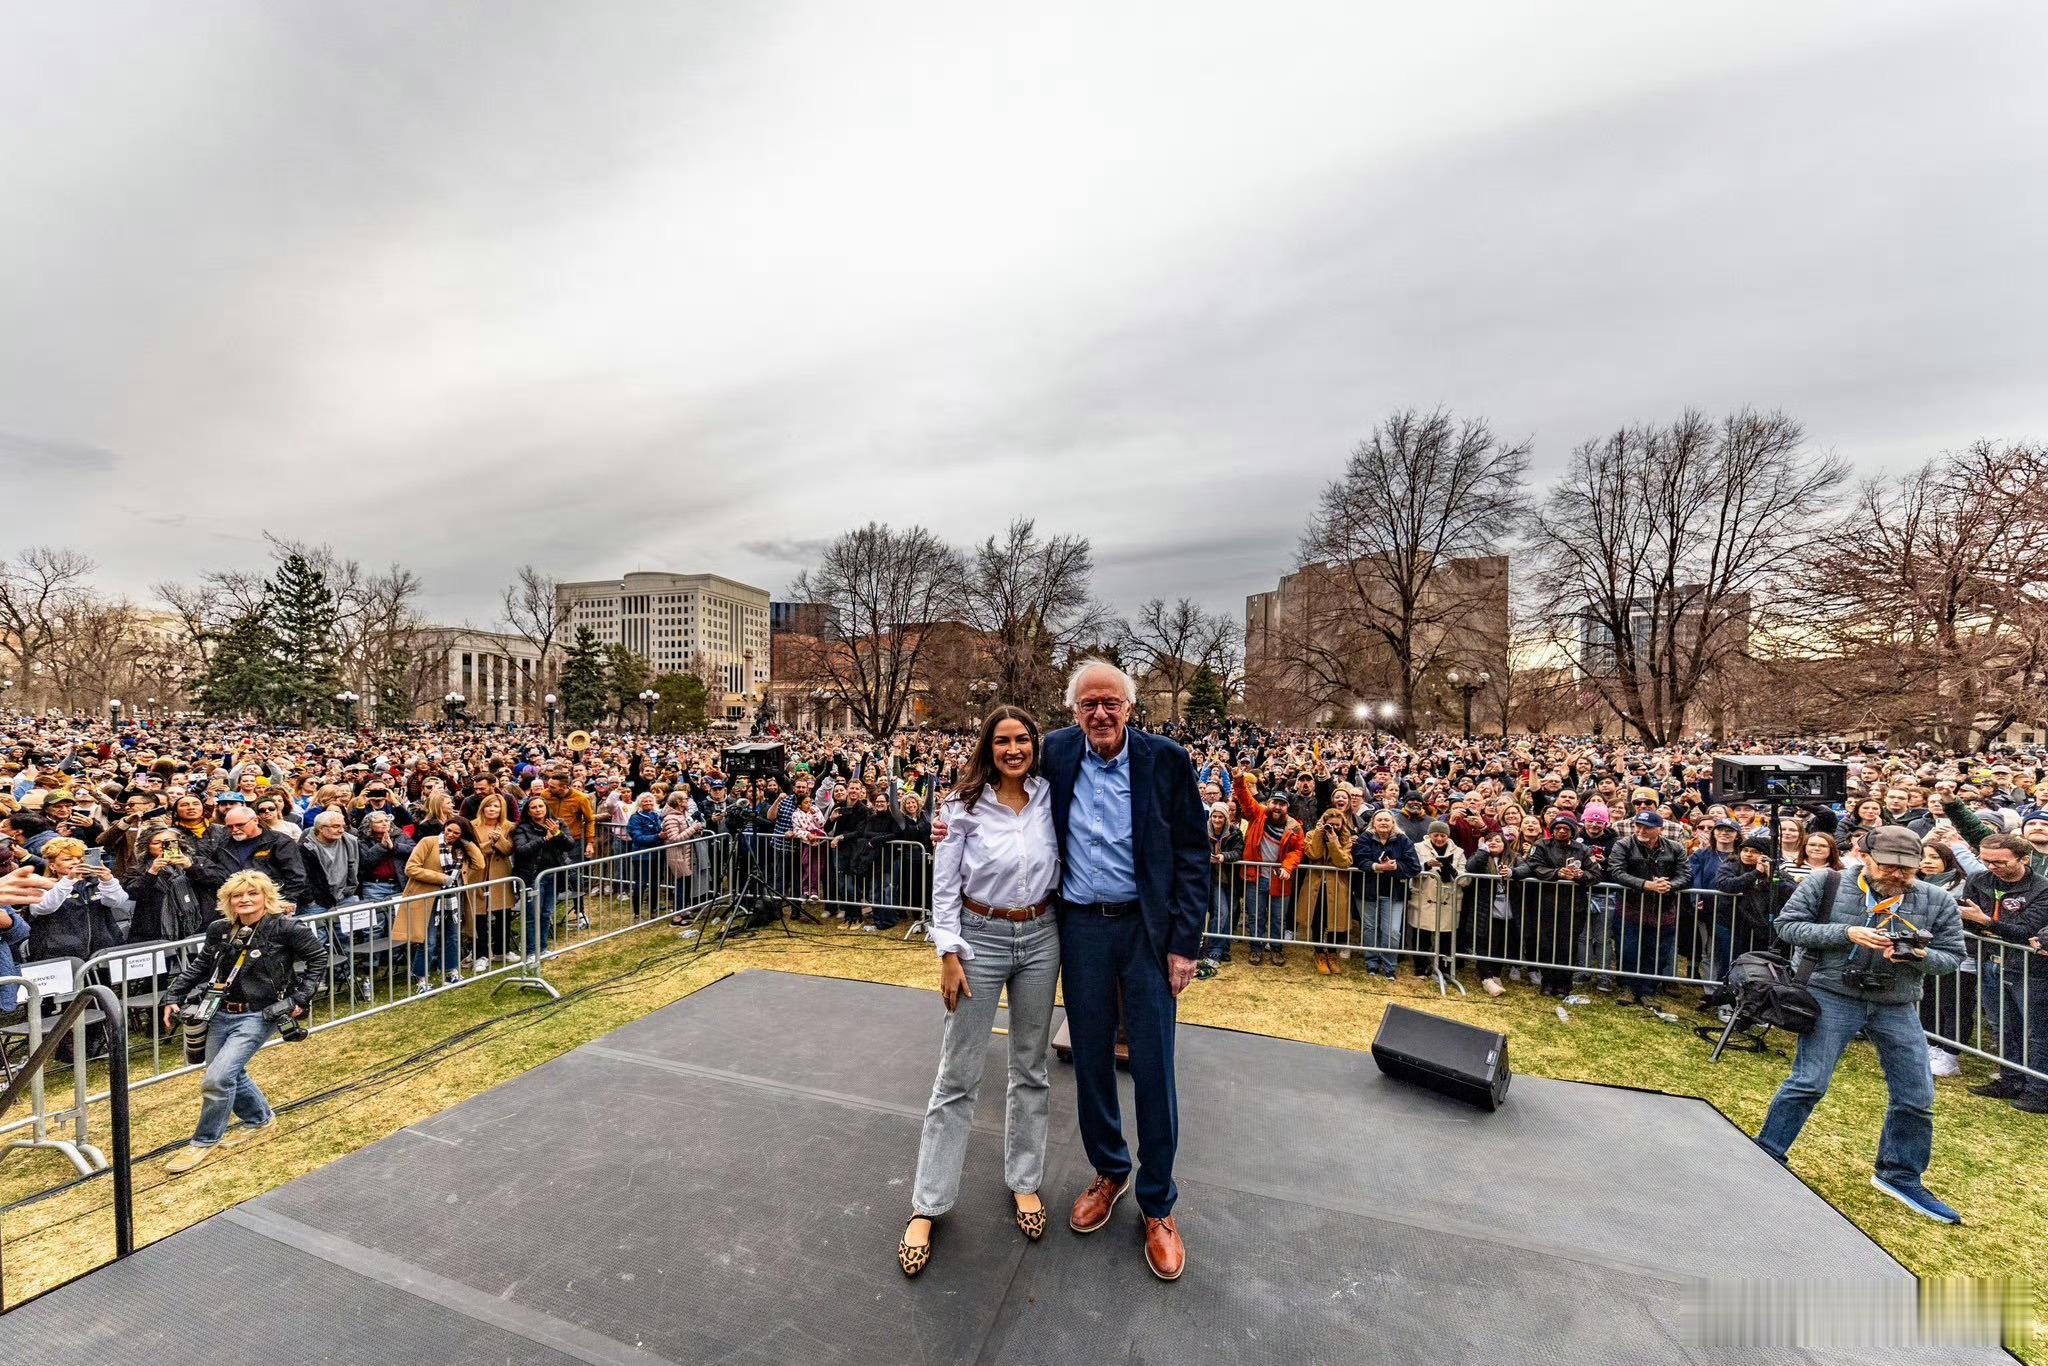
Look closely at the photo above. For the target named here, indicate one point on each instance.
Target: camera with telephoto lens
(192, 1022)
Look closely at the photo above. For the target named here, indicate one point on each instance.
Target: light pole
(1469, 684)
(498, 706)
(452, 705)
(648, 697)
(982, 691)
(549, 703)
(747, 682)
(114, 711)
(1362, 714)
(347, 700)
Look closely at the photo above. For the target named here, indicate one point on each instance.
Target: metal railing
(73, 1021)
(879, 882)
(591, 901)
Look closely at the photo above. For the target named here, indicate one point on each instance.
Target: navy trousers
(1098, 954)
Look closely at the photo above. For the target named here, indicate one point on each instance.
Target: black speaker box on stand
(1457, 1060)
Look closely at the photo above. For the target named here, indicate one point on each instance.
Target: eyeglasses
(1108, 705)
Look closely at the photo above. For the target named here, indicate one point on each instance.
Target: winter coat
(496, 843)
(677, 830)
(1823, 931)
(272, 853)
(1435, 897)
(78, 918)
(1293, 847)
(13, 949)
(413, 917)
(534, 852)
(319, 890)
(286, 963)
(167, 906)
(1325, 875)
(1632, 863)
(1369, 850)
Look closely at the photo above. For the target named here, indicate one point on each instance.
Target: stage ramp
(726, 1180)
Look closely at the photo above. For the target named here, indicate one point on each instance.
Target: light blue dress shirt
(1101, 859)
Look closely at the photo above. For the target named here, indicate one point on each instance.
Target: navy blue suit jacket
(1167, 826)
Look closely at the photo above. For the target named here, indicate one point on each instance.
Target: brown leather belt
(1016, 913)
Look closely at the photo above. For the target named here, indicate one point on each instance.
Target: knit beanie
(1438, 828)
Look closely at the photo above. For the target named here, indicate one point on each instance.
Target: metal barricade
(584, 903)
(1995, 1008)
(77, 1150)
(1565, 932)
(1373, 918)
(871, 883)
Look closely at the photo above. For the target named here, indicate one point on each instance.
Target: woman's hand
(953, 982)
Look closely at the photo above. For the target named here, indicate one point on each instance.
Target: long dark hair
(981, 765)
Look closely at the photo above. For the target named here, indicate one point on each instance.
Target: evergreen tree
(584, 680)
(302, 613)
(684, 706)
(243, 678)
(1207, 700)
(626, 676)
(392, 680)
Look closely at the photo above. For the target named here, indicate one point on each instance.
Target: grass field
(352, 1086)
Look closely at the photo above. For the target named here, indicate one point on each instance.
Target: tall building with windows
(714, 627)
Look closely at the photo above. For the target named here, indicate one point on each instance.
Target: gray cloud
(632, 287)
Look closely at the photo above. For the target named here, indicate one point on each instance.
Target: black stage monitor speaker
(1764, 778)
(1461, 1061)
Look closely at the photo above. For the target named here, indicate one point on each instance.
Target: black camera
(1910, 943)
(193, 1020)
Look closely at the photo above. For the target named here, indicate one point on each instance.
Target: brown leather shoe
(1097, 1203)
(1164, 1251)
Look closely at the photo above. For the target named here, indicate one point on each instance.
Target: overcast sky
(693, 286)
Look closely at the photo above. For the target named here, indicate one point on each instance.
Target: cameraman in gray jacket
(1874, 948)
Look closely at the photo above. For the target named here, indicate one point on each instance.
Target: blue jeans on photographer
(227, 1091)
(1906, 1145)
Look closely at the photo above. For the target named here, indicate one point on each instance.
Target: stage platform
(726, 1179)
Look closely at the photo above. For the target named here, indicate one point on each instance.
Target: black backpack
(1762, 985)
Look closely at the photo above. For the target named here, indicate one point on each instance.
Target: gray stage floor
(725, 1181)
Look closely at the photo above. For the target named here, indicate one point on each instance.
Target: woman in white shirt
(993, 880)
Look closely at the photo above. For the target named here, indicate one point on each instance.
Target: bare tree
(1031, 598)
(1397, 578)
(1171, 644)
(38, 589)
(885, 589)
(97, 653)
(1657, 542)
(533, 609)
(1925, 614)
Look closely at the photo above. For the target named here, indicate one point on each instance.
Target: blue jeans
(1385, 923)
(540, 912)
(442, 952)
(1222, 912)
(1269, 914)
(1648, 949)
(1907, 1144)
(231, 1040)
(2012, 1032)
(1099, 954)
(1598, 938)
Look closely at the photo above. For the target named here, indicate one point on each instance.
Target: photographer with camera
(256, 972)
(1870, 937)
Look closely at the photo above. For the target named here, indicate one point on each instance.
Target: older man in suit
(1133, 892)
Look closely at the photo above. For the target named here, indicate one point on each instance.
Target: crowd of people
(1576, 866)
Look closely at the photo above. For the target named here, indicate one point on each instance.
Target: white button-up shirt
(1002, 858)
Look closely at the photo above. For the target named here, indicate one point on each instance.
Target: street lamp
(981, 692)
(549, 703)
(1361, 713)
(114, 711)
(1469, 684)
(347, 700)
(150, 706)
(497, 706)
(452, 705)
(648, 697)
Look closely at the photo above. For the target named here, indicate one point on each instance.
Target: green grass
(1983, 1148)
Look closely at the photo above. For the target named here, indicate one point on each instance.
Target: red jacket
(1293, 845)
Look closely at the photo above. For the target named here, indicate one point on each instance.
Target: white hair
(1090, 664)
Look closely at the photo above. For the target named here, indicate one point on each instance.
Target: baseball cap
(1895, 845)
(1650, 820)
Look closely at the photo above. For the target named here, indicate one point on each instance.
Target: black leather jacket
(285, 966)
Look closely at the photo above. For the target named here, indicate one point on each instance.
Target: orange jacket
(1292, 846)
